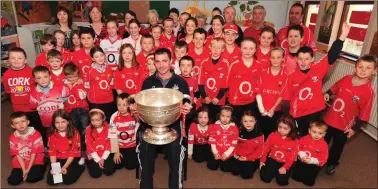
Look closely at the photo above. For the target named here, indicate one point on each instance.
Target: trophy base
(160, 135)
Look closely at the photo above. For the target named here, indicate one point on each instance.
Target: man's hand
(185, 109)
(350, 133)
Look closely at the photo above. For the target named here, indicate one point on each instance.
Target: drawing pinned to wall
(243, 10)
(195, 8)
(327, 22)
(30, 12)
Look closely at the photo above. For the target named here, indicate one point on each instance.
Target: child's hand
(52, 172)
(242, 158)
(189, 156)
(344, 31)
(271, 112)
(80, 81)
(25, 174)
(224, 157)
(236, 156)
(326, 97)
(306, 159)
(350, 133)
(216, 156)
(282, 171)
(195, 100)
(215, 101)
(63, 170)
(117, 158)
(207, 100)
(261, 164)
(101, 163)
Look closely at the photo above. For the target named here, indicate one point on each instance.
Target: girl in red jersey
(75, 40)
(156, 31)
(270, 95)
(64, 147)
(60, 37)
(249, 148)
(282, 147)
(125, 127)
(198, 146)
(217, 23)
(128, 75)
(190, 25)
(267, 37)
(223, 139)
(98, 145)
(244, 80)
(99, 83)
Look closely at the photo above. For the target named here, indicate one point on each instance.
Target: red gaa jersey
(26, 145)
(252, 32)
(41, 60)
(126, 129)
(290, 63)
(167, 42)
(19, 83)
(305, 90)
(351, 101)
(214, 77)
(243, 82)
(111, 49)
(129, 80)
(192, 83)
(83, 61)
(273, 87)
(198, 134)
(58, 79)
(223, 137)
(233, 56)
(66, 55)
(47, 103)
(77, 98)
(314, 148)
(264, 59)
(281, 150)
(142, 60)
(198, 59)
(63, 147)
(100, 85)
(250, 148)
(97, 141)
(308, 38)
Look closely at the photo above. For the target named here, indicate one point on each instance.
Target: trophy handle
(186, 99)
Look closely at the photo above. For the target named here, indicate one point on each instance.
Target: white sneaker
(81, 161)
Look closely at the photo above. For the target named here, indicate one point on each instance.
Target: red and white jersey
(198, 134)
(126, 129)
(66, 56)
(231, 57)
(264, 59)
(135, 43)
(19, 84)
(111, 50)
(97, 141)
(314, 148)
(129, 80)
(198, 59)
(26, 145)
(308, 38)
(192, 83)
(351, 101)
(250, 148)
(77, 98)
(243, 82)
(58, 79)
(305, 90)
(41, 60)
(63, 147)
(224, 138)
(290, 63)
(83, 61)
(272, 88)
(283, 150)
(167, 42)
(47, 103)
(214, 77)
(100, 85)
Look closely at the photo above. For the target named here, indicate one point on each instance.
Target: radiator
(338, 71)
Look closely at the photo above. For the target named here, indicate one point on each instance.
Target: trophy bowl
(159, 108)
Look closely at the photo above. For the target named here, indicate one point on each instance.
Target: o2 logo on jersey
(305, 94)
(112, 59)
(104, 84)
(71, 99)
(130, 84)
(279, 155)
(338, 106)
(249, 88)
(210, 83)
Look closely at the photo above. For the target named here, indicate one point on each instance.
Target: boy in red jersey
(76, 105)
(304, 89)
(312, 154)
(126, 127)
(82, 58)
(54, 59)
(167, 38)
(232, 52)
(147, 44)
(197, 49)
(351, 107)
(213, 78)
(60, 37)
(26, 148)
(181, 50)
(18, 81)
(48, 42)
(46, 97)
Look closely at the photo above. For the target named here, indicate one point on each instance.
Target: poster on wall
(327, 22)
(31, 12)
(243, 9)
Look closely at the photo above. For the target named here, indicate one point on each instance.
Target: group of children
(242, 96)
